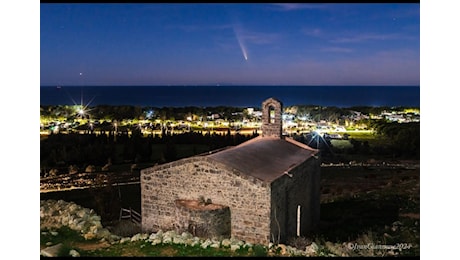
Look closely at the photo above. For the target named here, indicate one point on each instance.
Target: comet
(240, 42)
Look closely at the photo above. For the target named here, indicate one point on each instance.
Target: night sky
(251, 44)
(50, 44)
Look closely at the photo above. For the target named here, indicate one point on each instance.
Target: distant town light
(318, 132)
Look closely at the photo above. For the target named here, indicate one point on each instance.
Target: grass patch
(144, 248)
(341, 144)
(65, 236)
(362, 136)
(71, 239)
(373, 139)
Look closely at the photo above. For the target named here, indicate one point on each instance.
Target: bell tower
(272, 123)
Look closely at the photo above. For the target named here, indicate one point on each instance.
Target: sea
(231, 95)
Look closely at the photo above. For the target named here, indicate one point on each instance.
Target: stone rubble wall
(54, 214)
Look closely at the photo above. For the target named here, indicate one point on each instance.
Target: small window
(271, 111)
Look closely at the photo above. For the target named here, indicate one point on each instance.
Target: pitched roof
(266, 158)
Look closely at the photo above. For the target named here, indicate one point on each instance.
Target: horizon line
(229, 85)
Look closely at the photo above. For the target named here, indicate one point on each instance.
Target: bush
(299, 242)
(259, 250)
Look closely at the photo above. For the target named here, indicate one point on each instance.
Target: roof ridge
(302, 145)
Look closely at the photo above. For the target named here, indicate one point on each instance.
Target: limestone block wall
(247, 198)
(301, 187)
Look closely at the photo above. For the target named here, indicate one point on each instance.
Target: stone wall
(300, 187)
(269, 128)
(203, 220)
(247, 198)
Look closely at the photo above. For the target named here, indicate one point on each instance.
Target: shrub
(299, 242)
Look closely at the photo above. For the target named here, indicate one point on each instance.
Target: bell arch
(271, 118)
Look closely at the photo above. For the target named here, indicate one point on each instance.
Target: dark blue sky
(260, 44)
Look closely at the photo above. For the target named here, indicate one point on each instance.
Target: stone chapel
(264, 190)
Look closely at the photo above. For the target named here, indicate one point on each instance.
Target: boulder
(51, 251)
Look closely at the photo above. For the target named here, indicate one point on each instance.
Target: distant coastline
(231, 95)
